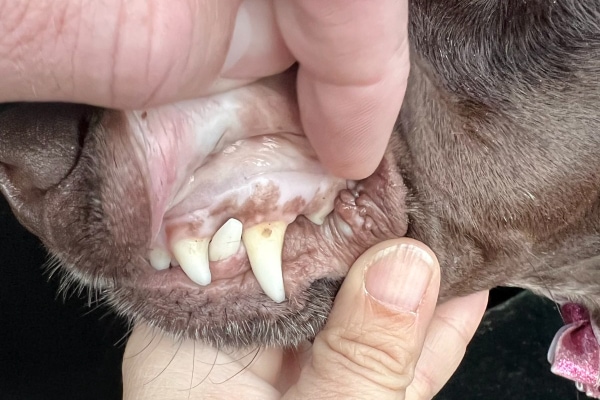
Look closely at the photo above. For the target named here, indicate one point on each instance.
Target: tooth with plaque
(192, 255)
(226, 241)
(160, 259)
(264, 245)
(318, 217)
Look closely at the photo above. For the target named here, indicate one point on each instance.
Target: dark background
(52, 348)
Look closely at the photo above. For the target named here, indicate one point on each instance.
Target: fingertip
(350, 126)
(370, 344)
(383, 264)
(351, 148)
(400, 276)
(392, 286)
(464, 313)
(347, 163)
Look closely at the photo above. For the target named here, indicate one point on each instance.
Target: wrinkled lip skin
(143, 182)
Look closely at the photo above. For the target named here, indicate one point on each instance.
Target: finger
(452, 328)
(129, 53)
(158, 367)
(257, 48)
(353, 69)
(374, 334)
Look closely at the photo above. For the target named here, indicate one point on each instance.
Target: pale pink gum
(206, 158)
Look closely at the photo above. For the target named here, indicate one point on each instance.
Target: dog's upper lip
(208, 163)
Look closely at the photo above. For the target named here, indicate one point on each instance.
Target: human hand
(385, 338)
(132, 54)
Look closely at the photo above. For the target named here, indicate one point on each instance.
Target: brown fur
(498, 144)
(501, 143)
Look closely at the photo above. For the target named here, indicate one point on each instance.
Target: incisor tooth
(226, 241)
(264, 244)
(318, 217)
(192, 255)
(159, 259)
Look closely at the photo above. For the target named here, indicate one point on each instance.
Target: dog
(494, 163)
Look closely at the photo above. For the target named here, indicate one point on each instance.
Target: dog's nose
(40, 143)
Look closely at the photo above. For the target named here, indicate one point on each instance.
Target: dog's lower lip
(233, 271)
(175, 278)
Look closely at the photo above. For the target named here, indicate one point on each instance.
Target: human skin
(353, 60)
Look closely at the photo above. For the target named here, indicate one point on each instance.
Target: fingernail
(240, 39)
(399, 276)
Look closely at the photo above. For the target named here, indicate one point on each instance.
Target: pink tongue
(575, 352)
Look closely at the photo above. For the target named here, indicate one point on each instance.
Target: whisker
(168, 364)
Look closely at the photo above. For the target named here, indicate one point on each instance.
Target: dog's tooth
(318, 217)
(226, 241)
(160, 259)
(192, 255)
(264, 244)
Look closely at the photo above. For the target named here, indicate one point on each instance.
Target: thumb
(375, 332)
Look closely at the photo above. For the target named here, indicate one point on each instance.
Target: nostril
(41, 143)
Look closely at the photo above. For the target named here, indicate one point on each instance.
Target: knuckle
(33, 36)
(149, 51)
(22, 23)
(423, 386)
(135, 61)
(375, 356)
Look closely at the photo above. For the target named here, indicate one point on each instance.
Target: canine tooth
(264, 244)
(318, 217)
(192, 255)
(159, 259)
(226, 241)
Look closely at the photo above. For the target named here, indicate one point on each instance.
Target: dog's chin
(226, 323)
